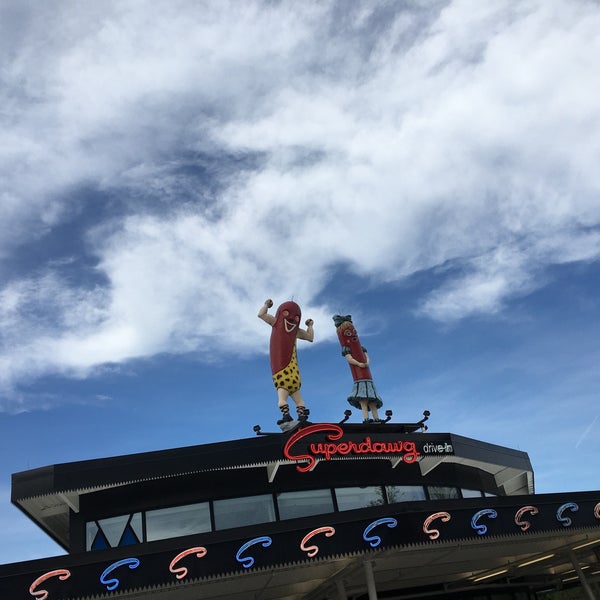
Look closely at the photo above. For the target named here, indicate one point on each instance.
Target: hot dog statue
(284, 363)
(364, 395)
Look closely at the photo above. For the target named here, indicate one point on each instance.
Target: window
(303, 504)
(470, 493)
(113, 532)
(359, 497)
(177, 521)
(237, 512)
(404, 493)
(442, 492)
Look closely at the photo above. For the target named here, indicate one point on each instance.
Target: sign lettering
(330, 448)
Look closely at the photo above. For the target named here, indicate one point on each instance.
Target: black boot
(303, 413)
(285, 414)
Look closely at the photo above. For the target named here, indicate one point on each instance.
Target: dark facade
(329, 511)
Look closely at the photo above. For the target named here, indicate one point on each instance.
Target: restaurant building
(330, 511)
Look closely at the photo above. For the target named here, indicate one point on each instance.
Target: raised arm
(264, 314)
(307, 334)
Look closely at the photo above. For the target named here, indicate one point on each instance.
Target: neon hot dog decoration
(314, 550)
(525, 525)
(181, 572)
(375, 540)
(434, 534)
(62, 574)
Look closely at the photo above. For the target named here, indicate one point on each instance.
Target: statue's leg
(364, 405)
(373, 407)
(284, 407)
(300, 406)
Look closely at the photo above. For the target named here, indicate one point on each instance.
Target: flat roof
(48, 494)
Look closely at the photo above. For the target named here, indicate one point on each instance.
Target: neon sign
(525, 525)
(434, 534)
(62, 574)
(314, 550)
(181, 572)
(391, 529)
(405, 448)
(486, 512)
(566, 521)
(375, 540)
(113, 584)
(248, 561)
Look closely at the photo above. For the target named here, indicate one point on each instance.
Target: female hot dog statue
(364, 395)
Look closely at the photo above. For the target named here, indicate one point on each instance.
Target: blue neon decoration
(375, 540)
(566, 521)
(482, 529)
(113, 584)
(248, 561)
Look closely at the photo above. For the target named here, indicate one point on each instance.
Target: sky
(429, 167)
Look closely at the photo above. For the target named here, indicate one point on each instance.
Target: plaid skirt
(364, 389)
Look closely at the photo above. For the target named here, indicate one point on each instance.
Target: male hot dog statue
(284, 364)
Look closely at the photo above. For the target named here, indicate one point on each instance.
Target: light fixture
(574, 570)
(584, 545)
(535, 560)
(490, 575)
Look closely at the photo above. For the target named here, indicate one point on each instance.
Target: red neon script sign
(332, 447)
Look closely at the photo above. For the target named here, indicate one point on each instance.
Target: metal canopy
(409, 572)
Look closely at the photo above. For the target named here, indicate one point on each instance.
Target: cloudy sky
(165, 166)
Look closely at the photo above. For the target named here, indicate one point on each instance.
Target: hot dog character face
(283, 335)
(289, 313)
(347, 333)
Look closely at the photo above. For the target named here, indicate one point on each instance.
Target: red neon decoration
(62, 574)
(525, 525)
(331, 448)
(314, 550)
(181, 572)
(434, 534)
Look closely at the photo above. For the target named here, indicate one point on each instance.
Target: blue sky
(166, 166)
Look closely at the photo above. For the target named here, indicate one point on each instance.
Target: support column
(339, 584)
(584, 584)
(370, 579)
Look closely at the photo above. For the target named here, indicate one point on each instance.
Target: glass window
(441, 492)
(237, 512)
(91, 531)
(114, 528)
(302, 504)
(404, 493)
(136, 525)
(470, 493)
(359, 497)
(113, 532)
(177, 521)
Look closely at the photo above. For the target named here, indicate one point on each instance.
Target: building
(329, 511)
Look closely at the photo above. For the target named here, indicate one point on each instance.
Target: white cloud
(450, 134)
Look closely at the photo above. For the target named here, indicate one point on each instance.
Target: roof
(48, 494)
